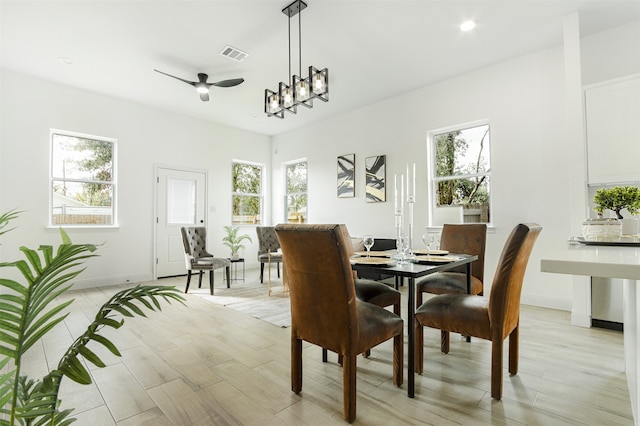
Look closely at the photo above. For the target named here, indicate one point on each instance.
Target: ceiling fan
(202, 86)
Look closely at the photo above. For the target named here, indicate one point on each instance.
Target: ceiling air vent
(233, 53)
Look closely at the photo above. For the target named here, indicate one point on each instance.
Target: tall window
(296, 192)
(82, 180)
(461, 175)
(246, 193)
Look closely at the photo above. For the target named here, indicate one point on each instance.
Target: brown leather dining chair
(371, 291)
(463, 239)
(491, 318)
(324, 307)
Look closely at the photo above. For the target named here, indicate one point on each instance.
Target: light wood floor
(204, 364)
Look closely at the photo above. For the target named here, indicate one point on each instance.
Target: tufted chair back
(194, 240)
(267, 239)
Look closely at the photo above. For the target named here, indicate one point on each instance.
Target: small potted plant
(616, 199)
(234, 241)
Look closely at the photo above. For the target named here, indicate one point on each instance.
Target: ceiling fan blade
(192, 83)
(228, 83)
(204, 97)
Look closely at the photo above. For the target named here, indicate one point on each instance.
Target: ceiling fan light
(202, 88)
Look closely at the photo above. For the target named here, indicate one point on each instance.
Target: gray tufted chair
(198, 259)
(268, 246)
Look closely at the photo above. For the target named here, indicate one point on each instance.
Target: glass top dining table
(412, 271)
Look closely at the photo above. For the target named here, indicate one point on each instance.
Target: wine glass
(367, 240)
(428, 239)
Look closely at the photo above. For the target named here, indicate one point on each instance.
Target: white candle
(395, 193)
(402, 189)
(408, 187)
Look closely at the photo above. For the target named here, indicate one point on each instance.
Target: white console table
(610, 262)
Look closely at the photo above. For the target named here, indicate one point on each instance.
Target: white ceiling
(374, 49)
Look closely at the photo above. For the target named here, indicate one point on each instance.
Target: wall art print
(347, 176)
(375, 171)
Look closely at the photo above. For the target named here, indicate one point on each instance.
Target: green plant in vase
(616, 199)
(30, 309)
(234, 241)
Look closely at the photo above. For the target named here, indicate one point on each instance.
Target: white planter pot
(235, 256)
(630, 227)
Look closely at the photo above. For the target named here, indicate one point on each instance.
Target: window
(246, 193)
(82, 180)
(296, 192)
(460, 175)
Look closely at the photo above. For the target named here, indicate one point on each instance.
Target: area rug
(252, 299)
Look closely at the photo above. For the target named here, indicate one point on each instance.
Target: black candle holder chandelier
(299, 91)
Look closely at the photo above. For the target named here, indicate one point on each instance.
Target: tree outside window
(296, 192)
(82, 180)
(462, 172)
(246, 193)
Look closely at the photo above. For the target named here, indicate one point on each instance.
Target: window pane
(473, 194)
(246, 209)
(297, 177)
(462, 152)
(247, 178)
(296, 192)
(181, 201)
(79, 158)
(297, 208)
(75, 203)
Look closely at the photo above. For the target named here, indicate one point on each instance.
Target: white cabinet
(612, 116)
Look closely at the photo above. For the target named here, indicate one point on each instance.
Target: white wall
(524, 101)
(146, 137)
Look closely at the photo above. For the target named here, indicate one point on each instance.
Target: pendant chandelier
(299, 90)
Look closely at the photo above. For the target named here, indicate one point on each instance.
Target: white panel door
(180, 201)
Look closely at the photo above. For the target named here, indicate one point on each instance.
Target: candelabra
(400, 199)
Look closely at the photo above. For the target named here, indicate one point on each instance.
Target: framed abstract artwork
(346, 176)
(375, 186)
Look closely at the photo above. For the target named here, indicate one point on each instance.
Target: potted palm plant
(31, 309)
(234, 241)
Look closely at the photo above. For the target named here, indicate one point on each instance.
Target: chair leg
(398, 359)
(261, 273)
(200, 278)
(444, 341)
(496, 368)
(188, 280)
(211, 282)
(228, 270)
(418, 338)
(296, 364)
(349, 388)
(278, 268)
(324, 355)
(513, 351)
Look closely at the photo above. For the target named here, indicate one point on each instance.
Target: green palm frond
(122, 303)
(28, 311)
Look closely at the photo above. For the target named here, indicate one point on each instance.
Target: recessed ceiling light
(467, 26)
(66, 60)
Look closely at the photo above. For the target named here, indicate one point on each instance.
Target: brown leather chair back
(323, 301)
(504, 302)
(470, 238)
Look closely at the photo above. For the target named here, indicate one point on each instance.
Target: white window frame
(113, 183)
(433, 179)
(260, 218)
(285, 190)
